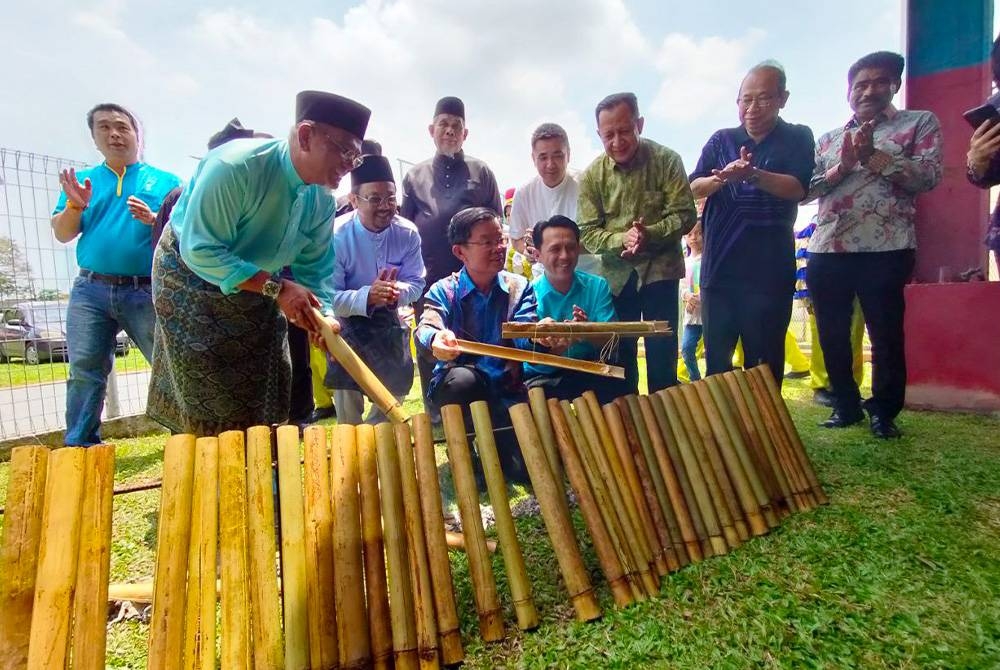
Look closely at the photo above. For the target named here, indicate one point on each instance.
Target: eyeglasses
(354, 158)
(762, 101)
(377, 201)
(488, 244)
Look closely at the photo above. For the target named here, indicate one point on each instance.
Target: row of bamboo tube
(664, 480)
(55, 558)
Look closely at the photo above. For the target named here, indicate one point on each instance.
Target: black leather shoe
(884, 429)
(823, 397)
(838, 420)
(321, 413)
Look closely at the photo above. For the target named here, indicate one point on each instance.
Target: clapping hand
(76, 193)
(738, 170)
(140, 211)
(383, 291)
(635, 239)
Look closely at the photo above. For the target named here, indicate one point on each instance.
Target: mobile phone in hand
(978, 116)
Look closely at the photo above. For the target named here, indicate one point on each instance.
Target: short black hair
(371, 147)
(995, 60)
(460, 226)
(884, 60)
(110, 107)
(557, 221)
(616, 99)
(549, 131)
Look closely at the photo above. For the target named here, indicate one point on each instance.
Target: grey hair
(773, 66)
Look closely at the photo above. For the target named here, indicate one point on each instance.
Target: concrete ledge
(114, 429)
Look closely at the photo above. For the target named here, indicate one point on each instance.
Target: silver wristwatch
(272, 287)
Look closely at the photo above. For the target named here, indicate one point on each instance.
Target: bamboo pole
(166, 627)
(726, 406)
(675, 492)
(604, 546)
(456, 542)
(798, 449)
(513, 329)
(540, 411)
(480, 570)
(265, 601)
(679, 420)
(321, 575)
(423, 586)
(349, 579)
(557, 522)
(512, 354)
(610, 506)
(633, 537)
(401, 597)
(234, 552)
(435, 536)
(57, 560)
(294, 581)
(773, 480)
(199, 618)
(19, 551)
(647, 458)
(90, 601)
(728, 507)
(739, 478)
(641, 487)
(513, 559)
(376, 588)
(359, 371)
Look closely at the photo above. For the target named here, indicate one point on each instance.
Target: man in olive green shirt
(635, 204)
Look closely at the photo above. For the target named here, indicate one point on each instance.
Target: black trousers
(301, 401)
(656, 301)
(759, 318)
(877, 279)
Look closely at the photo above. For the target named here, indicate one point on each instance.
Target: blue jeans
(97, 311)
(689, 345)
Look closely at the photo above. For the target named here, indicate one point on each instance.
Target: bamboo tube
(771, 474)
(726, 405)
(483, 583)
(557, 522)
(456, 542)
(90, 601)
(234, 552)
(349, 578)
(796, 478)
(166, 627)
(540, 411)
(294, 581)
(642, 488)
(359, 371)
(671, 483)
(321, 577)
(513, 559)
(680, 421)
(423, 586)
(798, 449)
(512, 329)
(19, 551)
(435, 537)
(199, 631)
(57, 560)
(647, 456)
(604, 546)
(265, 602)
(723, 496)
(376, 589)
(746, 503)
(401, 597)
(633, 538)
(610, 506)
(512, 354)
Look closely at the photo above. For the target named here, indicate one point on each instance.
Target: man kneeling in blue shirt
(564, 293)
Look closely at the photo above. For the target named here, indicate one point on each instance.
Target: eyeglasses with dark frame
(487, 244)
(377, 201)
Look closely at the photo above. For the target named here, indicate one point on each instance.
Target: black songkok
(234, 130)
(450, 105)
(374, 168)
(334, 110)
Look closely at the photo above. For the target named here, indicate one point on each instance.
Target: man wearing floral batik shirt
(868, 174)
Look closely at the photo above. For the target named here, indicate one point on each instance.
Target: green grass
(901, 570)
(18, 373)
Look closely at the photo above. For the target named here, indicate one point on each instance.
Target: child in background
(691, 296)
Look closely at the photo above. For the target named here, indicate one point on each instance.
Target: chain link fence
(36, 273)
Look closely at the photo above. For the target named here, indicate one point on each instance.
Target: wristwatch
(272, 287)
